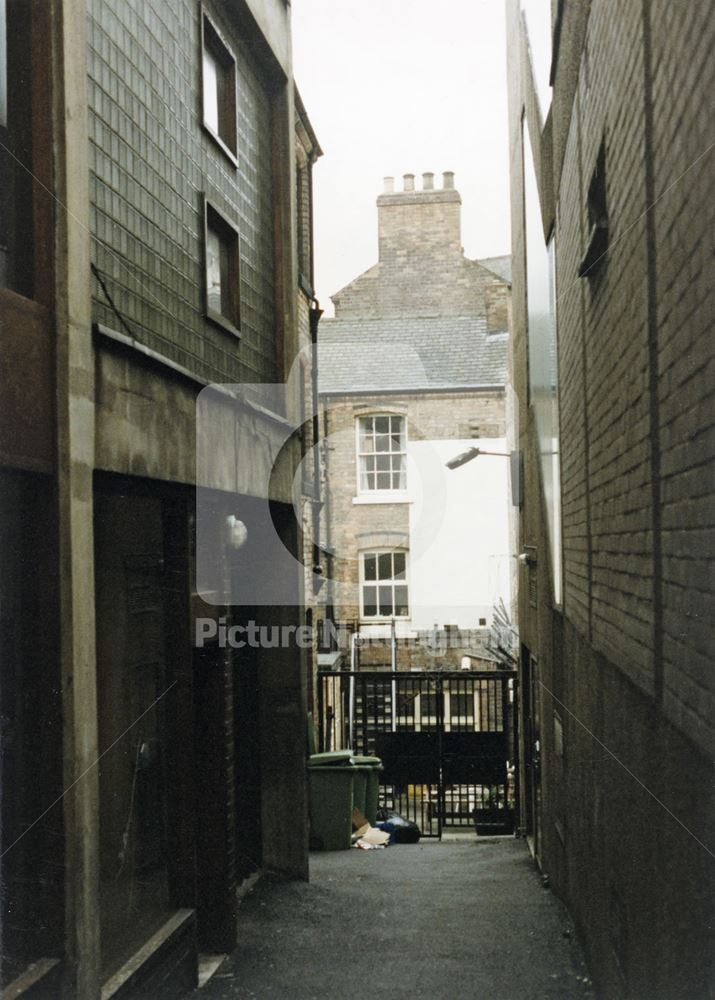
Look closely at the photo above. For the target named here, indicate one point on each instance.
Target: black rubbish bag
(405, 831)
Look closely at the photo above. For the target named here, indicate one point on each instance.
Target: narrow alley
(439, 920)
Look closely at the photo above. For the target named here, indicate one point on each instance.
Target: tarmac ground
(444, 921)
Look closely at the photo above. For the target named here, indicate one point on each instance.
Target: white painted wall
(460, 562)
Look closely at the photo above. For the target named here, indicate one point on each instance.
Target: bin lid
(333, 758)
(367, 761)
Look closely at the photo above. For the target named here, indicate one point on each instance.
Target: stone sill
(369, 498)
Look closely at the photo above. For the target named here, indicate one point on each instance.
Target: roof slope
(501, 266)
(425, 352)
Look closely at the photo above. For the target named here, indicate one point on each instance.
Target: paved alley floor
(430, 920)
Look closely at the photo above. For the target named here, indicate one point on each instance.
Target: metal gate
(446, 740)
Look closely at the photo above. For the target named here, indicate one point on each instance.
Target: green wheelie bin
(330, 800)
(367, 784)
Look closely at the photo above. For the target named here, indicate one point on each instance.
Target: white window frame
(393, 581)
(380, 494)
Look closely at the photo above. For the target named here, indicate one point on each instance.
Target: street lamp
(470, 453)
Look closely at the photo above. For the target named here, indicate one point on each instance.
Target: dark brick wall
(150, 162)
(683, 78)
(626, 696)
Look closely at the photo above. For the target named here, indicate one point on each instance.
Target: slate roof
(501, 266)
(425, 352)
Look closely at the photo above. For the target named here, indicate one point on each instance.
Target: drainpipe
(314, 316)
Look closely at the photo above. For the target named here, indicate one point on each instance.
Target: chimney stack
(422, 223)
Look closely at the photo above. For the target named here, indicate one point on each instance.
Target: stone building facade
(412, 370)
(612, 368)
(145, 771)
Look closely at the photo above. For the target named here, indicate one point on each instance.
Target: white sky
(395, 87)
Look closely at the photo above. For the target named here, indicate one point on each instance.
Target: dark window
(461, 710)
(219, 88)
(222, 270)
(597, 209)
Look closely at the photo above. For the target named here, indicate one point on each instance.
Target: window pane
(368, 444)
(382, 442)
(428, 704)
(370, 463)
(401, 600)
(211, 75)
(385, 600)
(383, 481)
(382, 425)
(396, 480)
(461, 705)
(399, 563)
(403, 479)
(405, 705)
(383, 463)
(384, 566)
(369, 597)
(213, 270)
(370, 567)
(225, 266)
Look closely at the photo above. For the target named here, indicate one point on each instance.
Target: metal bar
(393, 660)
(364, 714)
(440, 787)
(351, 706)
(321, 713)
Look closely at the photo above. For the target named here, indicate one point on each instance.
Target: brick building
(612, 368)
(156, 165)
(412, 371)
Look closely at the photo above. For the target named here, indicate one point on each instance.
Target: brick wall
(622, 667)
(684, 382)
(422, 270)
(430, 417)
(634, 353)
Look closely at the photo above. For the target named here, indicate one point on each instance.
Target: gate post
(440, 783)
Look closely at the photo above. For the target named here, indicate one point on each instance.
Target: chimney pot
(428, 181)
(448, 179)
(389, 183)
(409, 182)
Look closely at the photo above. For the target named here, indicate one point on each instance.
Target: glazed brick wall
(150, 163)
